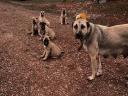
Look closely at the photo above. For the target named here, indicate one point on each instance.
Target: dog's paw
(32, 35)
(40, 39)
(78, 49)
(44, 59)
(42, 56)
(99, 73)
(90, 78)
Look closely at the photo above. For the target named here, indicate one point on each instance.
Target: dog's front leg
(39, 31)
(32, 34)
(93, 52)
(60, 20)
(99, 70)
(94, 67)
(46, 55)
(66, 20)
(42, 56)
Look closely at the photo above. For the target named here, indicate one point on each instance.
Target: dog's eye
(46, 42)
(82, 26)
(76, 26)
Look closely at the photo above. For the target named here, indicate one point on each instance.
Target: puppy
(34, 26)
(50, 49)
(47, 30)
(42, 19)
(102, 41)
(63, 17)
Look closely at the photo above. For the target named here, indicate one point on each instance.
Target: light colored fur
(41, 19)
(101, 41)
(63, 16)
(49, 32)
(51, 50)
(34, 25)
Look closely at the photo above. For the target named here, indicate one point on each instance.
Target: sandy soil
(23, 73)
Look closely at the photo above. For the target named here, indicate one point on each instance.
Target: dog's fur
(47, 31)
(34, 26)
(63, 17)
(102, 40)
(85, 17)
(50, 49)
(81, 16)
(42, 19)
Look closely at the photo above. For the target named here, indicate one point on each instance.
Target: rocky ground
(23, 73)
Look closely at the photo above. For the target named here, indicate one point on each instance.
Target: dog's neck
(90, 31)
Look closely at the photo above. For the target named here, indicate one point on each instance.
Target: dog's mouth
(42, 15)
(78, 36)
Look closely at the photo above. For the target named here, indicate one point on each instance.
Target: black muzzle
(79, 35)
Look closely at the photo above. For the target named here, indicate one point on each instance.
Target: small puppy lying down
(47, 31)
(50, 49)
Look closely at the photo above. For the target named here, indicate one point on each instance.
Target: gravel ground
(23, 73)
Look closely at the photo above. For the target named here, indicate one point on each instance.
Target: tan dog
(47, 31)
(63, 17)
(42, 19)
(50, 49)
(102, 40)
(34, 26)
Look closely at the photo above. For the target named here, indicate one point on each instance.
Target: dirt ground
(23, 73)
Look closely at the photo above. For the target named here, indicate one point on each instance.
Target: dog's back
(56, 51)
(117, 33)
(114, 40)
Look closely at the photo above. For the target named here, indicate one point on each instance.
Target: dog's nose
(78, 35)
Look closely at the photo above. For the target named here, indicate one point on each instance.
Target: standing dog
(101, 40)
(63, 17)
(34, 26)
(50, 49)
(42, 19)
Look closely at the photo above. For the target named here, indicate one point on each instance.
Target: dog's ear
(46, 41)
(33, 21)
(72, 24)
(88, 24)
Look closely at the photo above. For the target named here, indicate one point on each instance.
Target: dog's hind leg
(42, 56)
(99, 69)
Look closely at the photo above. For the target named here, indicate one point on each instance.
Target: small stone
(126, 76)
(126, 84)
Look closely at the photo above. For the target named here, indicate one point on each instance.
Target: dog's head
(80, 28)
(46, 41)
(63, 11)
(42, 13)
(34, 20)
